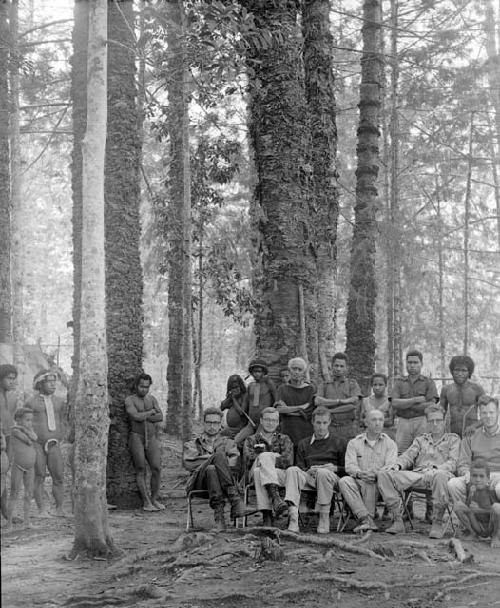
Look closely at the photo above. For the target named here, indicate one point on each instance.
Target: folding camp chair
(425, 494)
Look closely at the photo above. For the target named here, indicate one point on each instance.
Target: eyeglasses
(270, 419)
(213, 422)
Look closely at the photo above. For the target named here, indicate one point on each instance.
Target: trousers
(323, 481)
(360, 495)
(264, 472)
(391, 483)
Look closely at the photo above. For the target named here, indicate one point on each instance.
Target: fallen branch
(457, 548)
(311, 540)
(475, 575)
(351, 582)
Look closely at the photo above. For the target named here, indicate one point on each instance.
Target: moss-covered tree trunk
(79, 116)
(179, 367)
(360, 321)
(124, 282)
(92, 533)
(320, 93)
(285, 265)
(5, 203)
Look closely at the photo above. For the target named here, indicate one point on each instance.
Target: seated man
(320, 462)
(213, 460)
(480, 513)
(269, 454)
(367, 455)
(433, 459)
(483, 443)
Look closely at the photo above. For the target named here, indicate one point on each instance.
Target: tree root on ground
(311, 540)
(458, 585)
(458, 549)
(352, 583)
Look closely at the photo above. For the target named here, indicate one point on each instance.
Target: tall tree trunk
(467, 208)
(198, 336)
(281, 140)
(79, 108)
(320, 94)
(92, 533)
(124, 282)
(18, 222)
(179, 204)
(360, 322)
(5, 200)
(440, 251)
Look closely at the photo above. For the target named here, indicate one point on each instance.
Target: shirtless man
(24, 453)
(49, 415)
(8, 377)
(144, 412)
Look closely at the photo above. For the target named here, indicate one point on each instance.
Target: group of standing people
(334, 441)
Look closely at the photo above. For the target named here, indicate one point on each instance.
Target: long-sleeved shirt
(361, 455)
(316, 452)
(425, 453)
(199, 449)
(480, 445)
(410, 386)
(280, 444)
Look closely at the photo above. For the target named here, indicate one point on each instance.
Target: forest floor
(162, 565)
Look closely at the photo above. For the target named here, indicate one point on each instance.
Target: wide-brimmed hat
(257, 363)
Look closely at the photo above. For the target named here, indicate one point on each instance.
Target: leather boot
(398, 526)
(220, 524)
(437, 523)
(237, 505)
(409, 510)
(428, 513)
(293, 518)
(267, 518)
(280, 507)
(324, 523)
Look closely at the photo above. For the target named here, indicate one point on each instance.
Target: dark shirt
(298, 425)
(280, 444)
(410, 386)
(321, 451)
(260, 395)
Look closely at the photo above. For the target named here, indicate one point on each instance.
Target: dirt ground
(164, 566)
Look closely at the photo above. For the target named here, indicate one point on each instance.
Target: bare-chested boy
(49, 414)
(23, 454)
(480, 513)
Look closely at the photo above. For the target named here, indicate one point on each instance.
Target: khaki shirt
(408, 386)
(361, 456)
(424, 453)
(342, 388)
(198, 450)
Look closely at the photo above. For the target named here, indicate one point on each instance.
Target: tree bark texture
(92, 533)
(284, 235)
(124, 281)
(79, 117)
(360, 321)
(179, 213)
(320, 93)
(5, 200)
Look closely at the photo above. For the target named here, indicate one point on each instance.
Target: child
(284, 376)
(379, 400)
(236, 404)
(261, 394)
(480, 514)
(23, 452)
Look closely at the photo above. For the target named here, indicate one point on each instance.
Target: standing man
(366, 456)
(411, 395)
(342, 397)
(320, 462)
(144, 413)
(213, 461)
(49, 415)
(268, 454)
(427, 464)
(8, 377)
(459, 399)
(484, 443)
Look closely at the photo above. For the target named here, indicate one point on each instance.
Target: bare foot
(159, 505)
(150, 507)
(44, 513)
(495, 543)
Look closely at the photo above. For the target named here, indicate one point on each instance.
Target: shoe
(280, 507)
(293, 518)
(323, 523)
(398, 526)
(237, 505)
(366, 523)
(267, 518)
(436, 529)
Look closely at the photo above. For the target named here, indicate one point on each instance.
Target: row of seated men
(462, 473)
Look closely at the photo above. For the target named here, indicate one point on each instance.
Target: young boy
(480, 514)
(23, 453)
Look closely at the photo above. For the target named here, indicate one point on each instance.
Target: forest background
(328, 170)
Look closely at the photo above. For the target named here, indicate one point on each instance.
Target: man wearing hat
(49, 414)
(261, 394)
